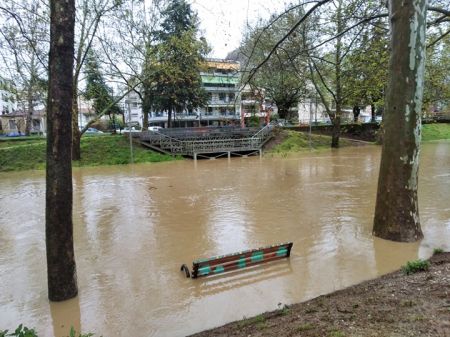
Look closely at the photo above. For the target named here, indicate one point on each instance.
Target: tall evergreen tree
(172, 66)
(97, 90)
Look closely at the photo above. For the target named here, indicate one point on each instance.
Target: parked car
(127, 130)
(154, 128)
(93, 130)
(15, 134)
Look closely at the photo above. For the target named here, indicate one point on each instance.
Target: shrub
(438, 251)
(415, 266)
(21, 331)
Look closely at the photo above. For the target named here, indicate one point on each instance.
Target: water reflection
(65, 315)
(135, 226)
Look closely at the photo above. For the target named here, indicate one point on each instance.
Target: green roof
(220, 79)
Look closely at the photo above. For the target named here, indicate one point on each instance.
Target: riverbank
(287, 141)
(29, 154)
(393, 305)
(435, 131)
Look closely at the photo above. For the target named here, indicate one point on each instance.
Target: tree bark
(338, 99)
(145, 120)
(169, 118)
(76, 134)
(397, 211)
(336, 133)
(61, 268)
(29, 120)
(356, 113)
(372, 113)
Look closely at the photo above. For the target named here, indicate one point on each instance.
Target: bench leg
(186, 270)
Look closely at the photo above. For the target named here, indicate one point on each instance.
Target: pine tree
(172, 66)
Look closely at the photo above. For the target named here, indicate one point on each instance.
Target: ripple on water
(134, 226)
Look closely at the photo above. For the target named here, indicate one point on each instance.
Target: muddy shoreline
(393, 305)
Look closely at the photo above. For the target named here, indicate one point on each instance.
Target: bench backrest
(240, 260)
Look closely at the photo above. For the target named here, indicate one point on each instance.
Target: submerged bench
(221, 264)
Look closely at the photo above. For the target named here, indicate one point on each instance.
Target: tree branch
(299, 22)
(439, 39)
(105, 110)
(439, 10)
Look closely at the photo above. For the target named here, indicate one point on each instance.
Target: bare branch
(304, 17)
(443, 11)
(438, 39)
(105, 110)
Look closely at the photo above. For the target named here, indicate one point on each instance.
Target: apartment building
(221, 81)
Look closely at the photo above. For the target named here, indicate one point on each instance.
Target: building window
(222, 96)
(231, 96)
(12, 124)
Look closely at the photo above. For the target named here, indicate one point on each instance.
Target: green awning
(220, 79)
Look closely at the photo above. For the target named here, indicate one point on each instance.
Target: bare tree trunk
(30, 92)
(29, 119)
(61, 268)
(145, 120)
(372, 113)
(338, 98)
(169, 118)
(397, 211)
(336, 133)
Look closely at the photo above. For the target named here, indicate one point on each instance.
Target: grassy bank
(435, 131)
(293, 141)
(412, 304)
(29, 154)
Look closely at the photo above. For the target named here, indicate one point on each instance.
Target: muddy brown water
(135, 225)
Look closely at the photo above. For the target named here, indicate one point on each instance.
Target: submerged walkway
(207, 142)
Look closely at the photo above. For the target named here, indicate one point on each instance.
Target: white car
(154, 128)
(127, 130)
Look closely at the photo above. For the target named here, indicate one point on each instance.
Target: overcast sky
(222, 22)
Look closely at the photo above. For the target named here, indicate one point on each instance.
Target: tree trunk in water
(61, 268)
(336, 133)
(76, 134)
(397, 211)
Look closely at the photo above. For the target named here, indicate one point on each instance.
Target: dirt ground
(394, 305)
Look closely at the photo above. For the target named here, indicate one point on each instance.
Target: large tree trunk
(61, 268)
(76, 134)
(397, 211)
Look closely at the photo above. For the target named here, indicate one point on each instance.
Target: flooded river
(135, 225)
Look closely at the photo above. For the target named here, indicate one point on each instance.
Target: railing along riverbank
(206, 141)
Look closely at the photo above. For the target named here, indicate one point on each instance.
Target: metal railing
(190, 141)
